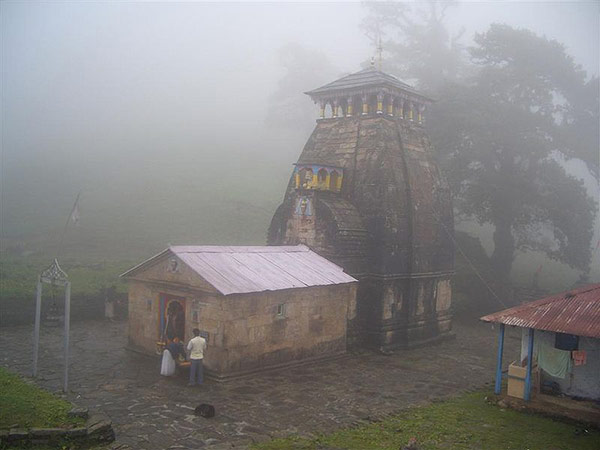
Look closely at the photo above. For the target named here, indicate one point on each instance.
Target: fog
(157, 112)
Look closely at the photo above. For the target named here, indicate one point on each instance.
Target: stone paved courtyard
(154, 412)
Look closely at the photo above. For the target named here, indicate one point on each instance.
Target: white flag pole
(73, 216)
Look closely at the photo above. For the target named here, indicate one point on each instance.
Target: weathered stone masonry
(246, 331)
(389, 224)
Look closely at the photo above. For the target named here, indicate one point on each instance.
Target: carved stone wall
(390, 226)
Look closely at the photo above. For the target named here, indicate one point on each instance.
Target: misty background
(167, 116)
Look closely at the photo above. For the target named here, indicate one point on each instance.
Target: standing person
(167, 366)
(196, 346)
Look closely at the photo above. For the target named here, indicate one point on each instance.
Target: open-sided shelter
(562, 332)
(258, 307)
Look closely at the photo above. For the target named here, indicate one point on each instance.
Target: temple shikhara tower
(367, 194)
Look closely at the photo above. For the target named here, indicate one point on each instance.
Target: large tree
(504, 137)
(506, 120)
(416, 42)
(304, 69)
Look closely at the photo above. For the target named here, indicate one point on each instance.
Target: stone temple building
(258, 307)
(367, 194)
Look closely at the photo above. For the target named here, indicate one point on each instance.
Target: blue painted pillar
(529, 366)
(498, 387)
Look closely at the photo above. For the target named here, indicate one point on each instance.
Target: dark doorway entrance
(172, 318)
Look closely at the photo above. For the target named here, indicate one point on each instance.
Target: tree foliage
(503, 138)
(509, 113)
(417, 44)
(304, 69)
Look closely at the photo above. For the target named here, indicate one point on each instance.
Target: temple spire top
(370, 92)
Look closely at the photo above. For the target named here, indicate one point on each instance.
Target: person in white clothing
(196, 347)
(167, 367)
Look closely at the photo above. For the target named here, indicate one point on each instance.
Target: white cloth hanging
(167, 367)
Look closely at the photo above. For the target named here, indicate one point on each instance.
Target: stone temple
(367, 194)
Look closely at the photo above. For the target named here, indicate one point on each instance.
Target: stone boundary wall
(18, 311)
(97, 430)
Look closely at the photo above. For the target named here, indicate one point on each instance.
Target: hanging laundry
(564, 341)
(556, 363)
(579, 357)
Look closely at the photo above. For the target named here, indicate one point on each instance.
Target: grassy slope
(128, 217)
(18, 276)
(466, 422)
(26, 405)
(131, 208)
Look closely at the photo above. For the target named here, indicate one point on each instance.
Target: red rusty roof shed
(574, 312)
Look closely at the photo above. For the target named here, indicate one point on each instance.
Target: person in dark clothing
(176, 349)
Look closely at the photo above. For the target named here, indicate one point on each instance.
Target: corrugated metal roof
(573, 312)
(366, 77)
(237, 270)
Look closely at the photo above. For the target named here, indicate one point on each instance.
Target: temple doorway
(172, 318)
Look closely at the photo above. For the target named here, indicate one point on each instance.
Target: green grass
(18, 276)
(465, 422)
(26, 405)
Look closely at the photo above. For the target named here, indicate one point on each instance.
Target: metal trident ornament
(54, 275)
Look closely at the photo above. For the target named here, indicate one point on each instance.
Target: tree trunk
(504, 249)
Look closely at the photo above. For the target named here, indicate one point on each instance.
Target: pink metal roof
(237, 270)
(573, 312)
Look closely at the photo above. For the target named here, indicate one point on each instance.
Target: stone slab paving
(154, 412)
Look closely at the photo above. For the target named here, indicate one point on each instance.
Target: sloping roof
(238, 270)
(573, 312)
(366, 77)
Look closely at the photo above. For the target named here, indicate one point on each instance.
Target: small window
(333, 180)
(306, 177)
(281, 310)
(322, 177)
